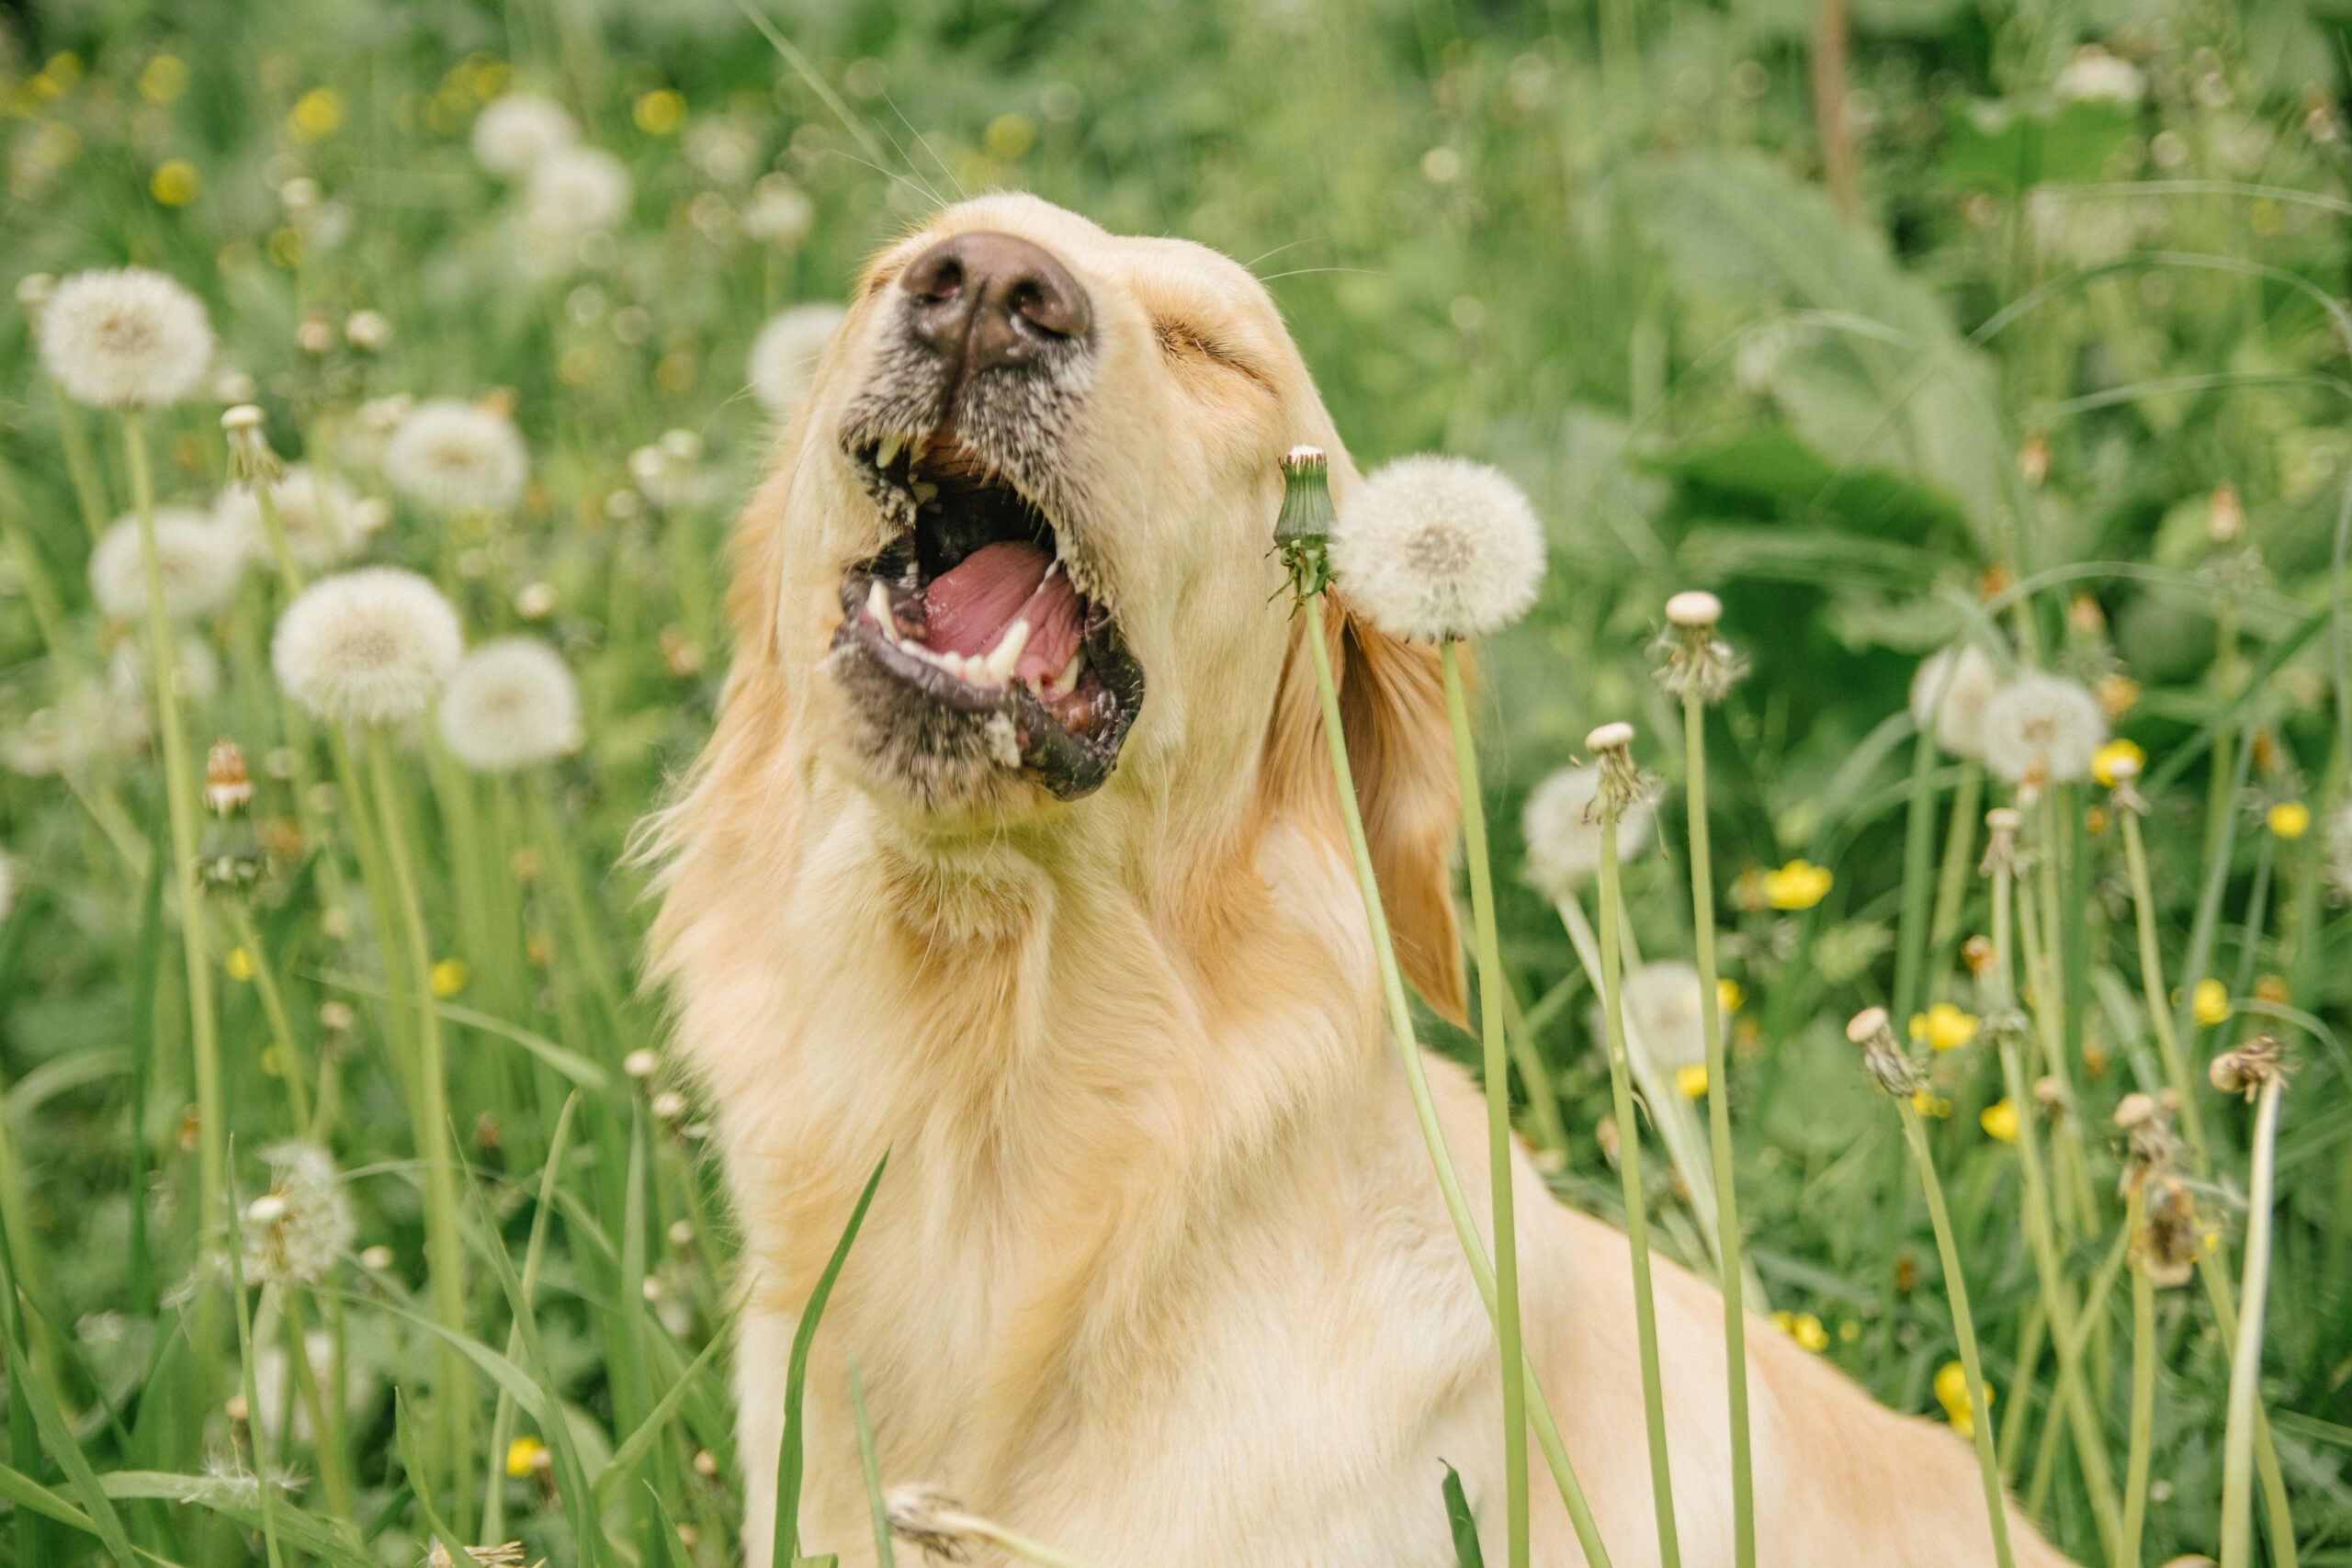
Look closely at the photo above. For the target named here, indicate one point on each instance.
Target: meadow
(348, 1198)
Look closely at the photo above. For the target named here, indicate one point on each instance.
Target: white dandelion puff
(779, 213)
(782, 362)
(372, 644)
(200, 564)
(2096, 75)
(515, 131)
(1960, 722)
(458, 457)
(297, 1229)
(125, 339)
(2042, 729)
(320, 516)
(2339, 850)
(1438, 547)
(577, 190)
(195, 677)
(510, 704)
(1663, 1002)
(1562, 826)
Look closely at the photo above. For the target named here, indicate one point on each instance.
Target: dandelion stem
(1629, 1171)
(89, 491)
(326, 1420)
(1980, 1410)
(502, 1423)
(1497, 1074)
(1400, 1023)
(1703, 926)
(2246, 1362)
(265, 1489)
(273, 1007)
(1952, 878)
(2216, 1280)
(2143, 1395)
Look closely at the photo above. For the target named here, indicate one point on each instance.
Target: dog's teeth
(1007, 652)
(1066, 682)
(917, 447)
(925, 493)
(888, 452)
(877, 607)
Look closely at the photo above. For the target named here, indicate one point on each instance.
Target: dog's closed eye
(1183, 344)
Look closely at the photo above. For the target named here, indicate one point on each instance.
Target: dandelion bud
(1977, 953)
(1882, 1059)
(2001, 846)
(535, 601)
(2248, 1067)
(2135, 1109)
(2051, 1098)
(2084, 616)
(227, 786)
(1698, 662)
(2033, 460)
(337, 1018)
(1303, 527)
(1437, 548)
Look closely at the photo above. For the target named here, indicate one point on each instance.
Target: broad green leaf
(2003, 147)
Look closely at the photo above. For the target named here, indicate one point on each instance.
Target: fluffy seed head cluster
(1435, 548)
(324, 523)
(1960, 720)
(782, 363)
(2042, 729)
(1698, 662)
(1664, 1004)
(1562, 826)
(297, 1229)
(510, 704)
(200, 563)
(125, 339)
(370, 646)
(515, 131)
(458, 457)
(577, 190)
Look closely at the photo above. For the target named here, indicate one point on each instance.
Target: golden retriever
(1016, 853)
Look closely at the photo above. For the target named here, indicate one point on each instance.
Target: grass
(2068, 384)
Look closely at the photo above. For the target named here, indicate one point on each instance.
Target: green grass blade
(788, 1459)
(1465, 1528)
(609, 1480)
(885, 1554)
(55, 1434)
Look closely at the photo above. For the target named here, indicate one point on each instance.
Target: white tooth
(925, 493)
(1066, 682)
(1007, 652)
(888, 452)
(878, 605)
(917, 447)
(975, 670)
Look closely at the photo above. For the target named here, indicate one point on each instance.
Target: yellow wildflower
(450, 976)
(240, 963)
(1690, 1081)
(1728, 996)
(1948, 1027)
(661, 112)
(2289, 819)
(175, 182)
(2104, 759)
(1802, 1327)
(522, 1456)
(1951, 1393)
(1800, 884)
(2210, 1003)
(1999, 1119)
(1929, 1103)
(164, 78)
(318, 113)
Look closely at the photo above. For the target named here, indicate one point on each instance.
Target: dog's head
(1012, 581)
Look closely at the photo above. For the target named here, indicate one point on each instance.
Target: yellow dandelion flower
(1690, 1081)
(2289, 819)
(1728, 996)
(1009, 136)
(1928, 1103)
(164, 78)
(1951, 1393)
(1809, 1333)
(240, 963)
(1800, 884)
(2210, 1003)
(661, 112)
(317, 115)
(522, 1456)
(1949, 1028)
(1999, 1119)
(2104, 759)
(175, 182)
(450, 976)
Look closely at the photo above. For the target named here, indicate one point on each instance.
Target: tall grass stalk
(1610, 742)
(502, 1422)
(2245, 1360)
(265, 1488)
(1400, 1023)
(2144, 1392)
(1497, 1074)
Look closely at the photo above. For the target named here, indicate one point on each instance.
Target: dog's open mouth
(973, 606)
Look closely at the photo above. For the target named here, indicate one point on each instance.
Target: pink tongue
(968, 608)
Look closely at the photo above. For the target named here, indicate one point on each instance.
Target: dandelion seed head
(510, 704)
(577, 190)
(370, 646)
(1666, 1006)
(1562, 826)
(297, 1229)
(321, 516)
(1960, 722)
(1435, 548)
(200, 565)
(782, 362)
(2095, 75)
(127, 338)
(2041, 729)
(515, 131)
(458, 457)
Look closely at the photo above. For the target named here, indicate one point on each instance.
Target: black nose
(993, 298)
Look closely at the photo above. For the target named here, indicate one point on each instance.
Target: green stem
(1952, 878)
(2152, 985)
(1979, 1409)
(2216, 1282)
(1702, 925)
(89, 491)
(2144, 1396)
(265, 1488)
(453, 1384)
(1400, 1023)
(1498, 1075)
(2028, 1355)
(273, 1007)
(327, 1418)
(2246, 1362)
(502, 1424)
(1629, 1171)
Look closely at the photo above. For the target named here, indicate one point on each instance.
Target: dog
(1016, 853)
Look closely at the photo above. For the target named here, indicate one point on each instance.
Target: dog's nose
(994, 297)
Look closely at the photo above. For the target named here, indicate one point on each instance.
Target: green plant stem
(2143, 1395)
(81, 466)
(2246, 1362)
(502, 1424)
(2283, 1552)
(2257, 911)
(273, 1007)
(453, 1383)
(1491, 985)
(1952, 878)
(1629, 1171)
(1980, 1408)
(326, 1416)
(2028, 1355)
(2075, 1205)
(265, 1489)
(180, 795)
(1400, 1023)
(2152, 985)
(1703, 927)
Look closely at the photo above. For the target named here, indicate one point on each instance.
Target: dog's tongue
(968, 608)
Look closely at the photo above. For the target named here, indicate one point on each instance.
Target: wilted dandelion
(1960, 722)
(510, 704)
(370, 646)
(297, 1229)
(782, 366)
(2041, 730)
(516, 130)
(576, 190)
(200, 563)
(324, 524)
(1439, 547)
(458, 457)
(128, 338)
(1562, 826)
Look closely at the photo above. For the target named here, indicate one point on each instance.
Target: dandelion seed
(640, 1063)
(456, 458)
(201, 566)
(297, 1229)
(1960, 723)
(2095, 75)
(1662, 1000)
(1435, 548)
(510, 704)
(2041, 730)
(782, 366)
(125, 339)
(321, 517)
(577, 190)
(372, 646)
(367, 330)
(516, 130)
(1562, 826)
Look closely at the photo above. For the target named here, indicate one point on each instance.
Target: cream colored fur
(1158, 1272)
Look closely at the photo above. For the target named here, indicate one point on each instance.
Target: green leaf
(1997, 146)
(885, 1554)
(56, 1435)
(788, 1459)
(1458, 1520)
(640, 1442)
(1773, 466)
